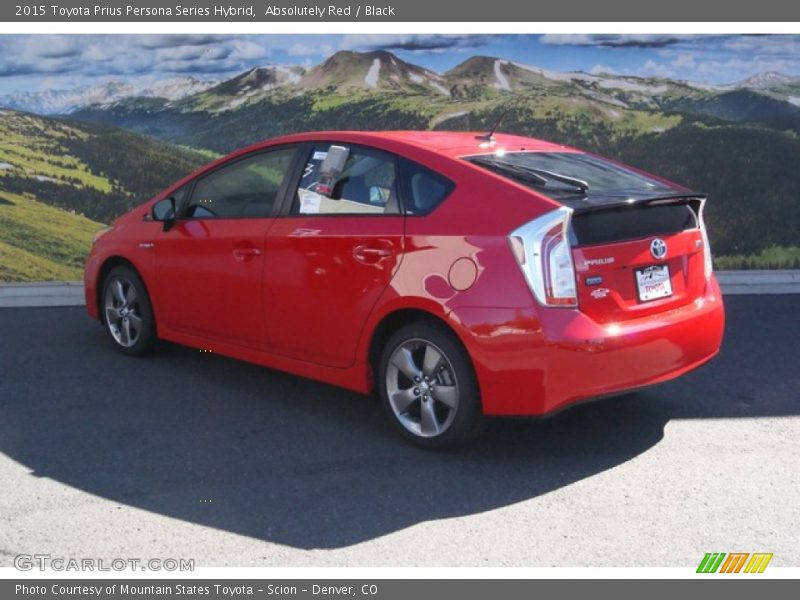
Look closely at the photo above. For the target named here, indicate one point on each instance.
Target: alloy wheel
(422, 388)
(123, 312)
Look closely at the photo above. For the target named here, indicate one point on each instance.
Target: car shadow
(221, 443)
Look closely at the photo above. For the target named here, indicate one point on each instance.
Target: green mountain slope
(60, 180)
(739, 105)
(750, 173)
(41, 242)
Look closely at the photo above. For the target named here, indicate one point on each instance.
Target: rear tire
(428, 386)
(127, 312)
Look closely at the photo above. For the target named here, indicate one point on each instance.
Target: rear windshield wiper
(531, 174)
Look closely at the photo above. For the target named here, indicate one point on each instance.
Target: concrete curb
(70, 293)
(760, 282)
(50, 293)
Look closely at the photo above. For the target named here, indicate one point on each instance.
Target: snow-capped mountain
(377, 70)
(248, 86)
(51, 102)
(259, 79)
(509, 76)
(766, 81)
(176, 88)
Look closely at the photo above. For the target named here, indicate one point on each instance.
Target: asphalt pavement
(186, 454)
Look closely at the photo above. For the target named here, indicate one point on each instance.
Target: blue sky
(39, 62)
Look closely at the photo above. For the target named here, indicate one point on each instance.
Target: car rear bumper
(536, 361)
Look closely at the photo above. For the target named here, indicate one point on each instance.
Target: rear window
(600, 175)
(631, 222)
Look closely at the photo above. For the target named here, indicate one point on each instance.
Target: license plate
(653, 283)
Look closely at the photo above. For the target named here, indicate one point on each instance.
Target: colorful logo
(734, 562)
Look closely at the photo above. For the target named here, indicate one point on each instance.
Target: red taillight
(543, 252)
(559, 274)
(708, 262)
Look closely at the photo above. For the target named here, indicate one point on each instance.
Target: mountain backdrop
(71, 160)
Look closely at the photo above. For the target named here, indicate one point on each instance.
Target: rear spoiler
(593, 202)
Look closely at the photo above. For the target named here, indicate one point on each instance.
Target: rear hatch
(637, 259)
(636, 241)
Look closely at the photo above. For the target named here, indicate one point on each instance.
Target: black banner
(398, 11)
(376, 589)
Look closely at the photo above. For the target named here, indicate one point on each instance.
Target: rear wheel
(127, 312)
(427, 385)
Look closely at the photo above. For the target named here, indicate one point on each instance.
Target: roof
(449, 143)
(460, 143)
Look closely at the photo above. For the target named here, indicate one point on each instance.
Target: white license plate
(653, 283)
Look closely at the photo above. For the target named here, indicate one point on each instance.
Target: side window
(423, 189)
(246, 188)
(363, 182)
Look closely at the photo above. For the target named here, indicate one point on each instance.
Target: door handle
(246, 253)
(371, 253)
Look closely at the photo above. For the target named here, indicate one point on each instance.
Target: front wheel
(427, 384)
(127, 313)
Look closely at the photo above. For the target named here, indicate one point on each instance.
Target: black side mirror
(164, 211)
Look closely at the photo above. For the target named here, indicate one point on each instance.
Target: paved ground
(192, 455)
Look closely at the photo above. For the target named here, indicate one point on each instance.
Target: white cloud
(247, 50)
(99, 53)
(765, 45)
(653, 69)
(107, 56)
(411, 42)
(599, 69)
(576, 39)
(684, 61)
(153, 42)
(188, 53)
(51, 46)
(741, 68)
(615, 40)
(303, 49)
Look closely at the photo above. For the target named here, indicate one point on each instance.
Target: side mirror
(164, 211)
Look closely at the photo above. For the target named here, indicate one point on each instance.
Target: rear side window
(344, 179)
(423, 189)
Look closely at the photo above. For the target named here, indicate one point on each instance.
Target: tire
(127, 312)
(427, 385)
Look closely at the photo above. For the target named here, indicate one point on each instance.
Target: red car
(457, 274)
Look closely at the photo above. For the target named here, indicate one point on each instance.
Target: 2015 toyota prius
(458, 275)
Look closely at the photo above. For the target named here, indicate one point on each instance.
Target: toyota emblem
(658, 248)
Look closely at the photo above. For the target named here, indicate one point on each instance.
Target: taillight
(708, 263)
(543, 252)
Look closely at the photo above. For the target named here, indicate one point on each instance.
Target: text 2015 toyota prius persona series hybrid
(458, 275)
